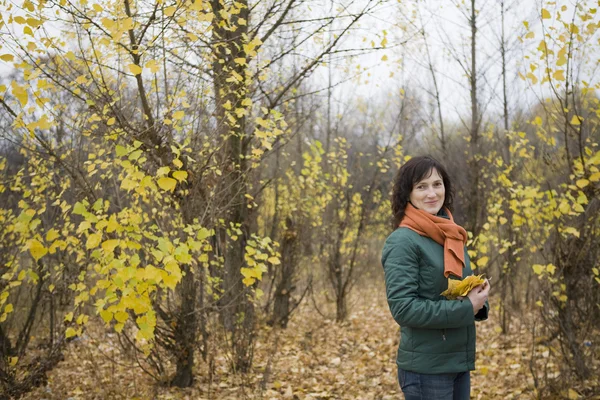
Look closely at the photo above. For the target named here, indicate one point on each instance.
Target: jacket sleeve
(482, 314)
(400, 261)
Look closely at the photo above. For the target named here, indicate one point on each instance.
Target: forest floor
(314, 358)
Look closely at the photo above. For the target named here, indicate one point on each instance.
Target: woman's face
(429, 194)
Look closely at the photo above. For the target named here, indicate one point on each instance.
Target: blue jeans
(417, 386)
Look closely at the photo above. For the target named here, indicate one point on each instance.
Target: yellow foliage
(458, 288)
(93, 240)
(576, 120)
(70, 332)
(37, 249)
(167, 184)
(180, 175)
(545, 14)
(135, 69)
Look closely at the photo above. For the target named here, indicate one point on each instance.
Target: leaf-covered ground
(314, 358)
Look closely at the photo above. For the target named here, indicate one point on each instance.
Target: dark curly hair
(411, 173)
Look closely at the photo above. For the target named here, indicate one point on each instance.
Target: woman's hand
(479, 295)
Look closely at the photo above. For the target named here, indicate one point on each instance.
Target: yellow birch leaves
(458, 288)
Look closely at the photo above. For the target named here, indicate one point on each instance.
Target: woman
(437, 340)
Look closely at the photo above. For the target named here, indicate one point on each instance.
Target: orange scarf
(444, 231)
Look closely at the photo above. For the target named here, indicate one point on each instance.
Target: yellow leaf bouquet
(458, 288)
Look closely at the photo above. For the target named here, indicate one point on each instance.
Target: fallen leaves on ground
(314, 359)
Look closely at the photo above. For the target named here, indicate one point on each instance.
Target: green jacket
(437, 335)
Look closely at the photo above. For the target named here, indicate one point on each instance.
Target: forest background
(195, 193)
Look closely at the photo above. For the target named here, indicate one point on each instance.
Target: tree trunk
(237, 310)
(473, 201)
(282, 306)
(185, 331)
(506, 274)
(341, 310)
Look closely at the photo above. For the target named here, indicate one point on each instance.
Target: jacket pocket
(426, 341)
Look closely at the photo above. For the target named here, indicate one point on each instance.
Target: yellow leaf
(93, 240)
(180, 175)
(595, 177)
(482, 261)
(564, 207)
(462, 288)
(7, 57)
(163, 171)
(135, 69)
(109, 245)
(559, 75)
(106, 315)
(576, 120)
(572, 231)
(169, 11)
(69, 317)
(545, 14)
(121, 316)
(70, 332)
(274, 260)
(13, 361)
(20, 92)
(37, 249)
(581, 183)
(250, 272)
(51, 235)
(573, 395)
(110, 122)
(112, 225)
(8, 308)
(248, 281)
(574, 29)
(152, 66)
(167, 184)
(34, 23)
(178, 115)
